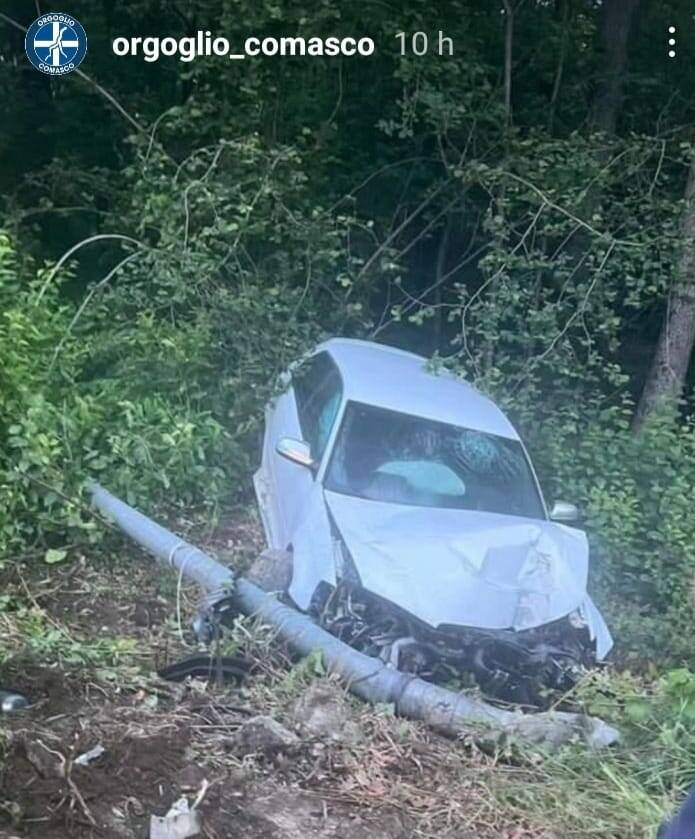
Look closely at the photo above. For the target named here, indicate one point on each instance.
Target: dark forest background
(173, 234)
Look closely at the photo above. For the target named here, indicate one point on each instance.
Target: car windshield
(402, 459)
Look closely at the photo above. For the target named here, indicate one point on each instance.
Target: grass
(625, 791)
(578, 794)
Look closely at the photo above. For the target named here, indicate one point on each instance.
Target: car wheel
(272, 570)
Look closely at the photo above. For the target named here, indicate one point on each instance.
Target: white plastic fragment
(87, 757)
(181, 822)
(11, 701)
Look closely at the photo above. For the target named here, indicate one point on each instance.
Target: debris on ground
(221, 668)
(48, 762)
(181, 822)
(324, 711)
(11, 701)
(264, 735)
(87, 757)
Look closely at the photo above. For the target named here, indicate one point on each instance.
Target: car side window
(318, 390)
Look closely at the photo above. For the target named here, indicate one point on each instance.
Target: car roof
(387, 377)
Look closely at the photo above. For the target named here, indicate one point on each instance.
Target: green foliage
(626, 791)
(60, 427)
(155, 383)
(635, 492)
(29, 632)
(576, 243)
(267, 203)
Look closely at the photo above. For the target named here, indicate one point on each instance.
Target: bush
(59, 427)
(154, 384)
(636, 494)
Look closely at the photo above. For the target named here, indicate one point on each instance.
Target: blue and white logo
(56, 44)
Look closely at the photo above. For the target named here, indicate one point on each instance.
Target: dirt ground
(343, 770)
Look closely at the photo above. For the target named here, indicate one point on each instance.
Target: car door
(280, 421)
(307, 411)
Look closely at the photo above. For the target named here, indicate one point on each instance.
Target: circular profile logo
(56, 44)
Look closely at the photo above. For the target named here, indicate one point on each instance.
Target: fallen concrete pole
(369, 678)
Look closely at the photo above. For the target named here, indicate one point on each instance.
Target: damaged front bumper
(528, 666)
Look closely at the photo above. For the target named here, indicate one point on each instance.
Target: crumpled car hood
(461, 567)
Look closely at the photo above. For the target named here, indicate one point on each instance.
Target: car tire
(272, 570)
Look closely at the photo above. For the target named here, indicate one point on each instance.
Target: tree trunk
(674, 348)
(614, 30)
(616, 20)
(440, 269)
(564, 39)
(508, 48)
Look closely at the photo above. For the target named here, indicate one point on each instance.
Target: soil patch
(110, 797)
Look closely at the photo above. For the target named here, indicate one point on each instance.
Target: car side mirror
(563, 511)
(296, 451)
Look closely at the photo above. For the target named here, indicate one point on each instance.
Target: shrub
(58, 427)
(636, 494)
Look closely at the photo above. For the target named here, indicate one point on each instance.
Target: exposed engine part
(396, 649)
(210, 616)
(528, 667)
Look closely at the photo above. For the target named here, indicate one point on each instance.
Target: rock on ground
(264, 735)
(324, 711)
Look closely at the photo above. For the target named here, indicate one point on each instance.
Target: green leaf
(637, 711)
(55, 555)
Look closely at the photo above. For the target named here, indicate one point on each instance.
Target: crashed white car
(412, 525)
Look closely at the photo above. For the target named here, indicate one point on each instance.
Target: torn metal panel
(598, 628)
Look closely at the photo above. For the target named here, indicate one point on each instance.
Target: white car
(412, 524)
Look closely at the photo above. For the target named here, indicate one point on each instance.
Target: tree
(674, 347)
(616, 20)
